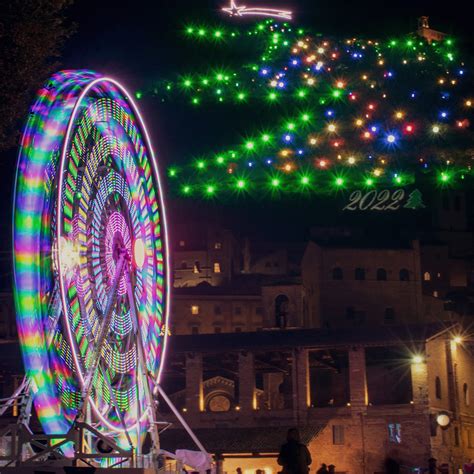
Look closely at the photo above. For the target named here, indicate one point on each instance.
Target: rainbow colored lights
(87, 184)
(367, 110)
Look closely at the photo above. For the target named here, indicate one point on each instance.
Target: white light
(443, 420)
(139, 253)
(417, 359)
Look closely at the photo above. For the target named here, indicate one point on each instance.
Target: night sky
(141, 41)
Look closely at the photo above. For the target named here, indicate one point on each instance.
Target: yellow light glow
(331, 128)
(418, 359)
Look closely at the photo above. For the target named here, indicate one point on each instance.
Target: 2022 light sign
(384, 200)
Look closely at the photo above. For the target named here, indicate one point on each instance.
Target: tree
(32, 33)
(415, 200)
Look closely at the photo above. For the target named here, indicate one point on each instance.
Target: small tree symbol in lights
(415, 200)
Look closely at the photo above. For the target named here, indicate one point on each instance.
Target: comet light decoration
(90, 258)
(236, 10)
(332, 114)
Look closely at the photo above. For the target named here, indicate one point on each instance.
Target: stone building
(358, 396)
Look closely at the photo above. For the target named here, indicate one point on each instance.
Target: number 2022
(375, 200)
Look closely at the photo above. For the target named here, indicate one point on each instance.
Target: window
(359, 274)
(194, 330)
(217, 267)
(237, 310)
(395, 433)
(197, 267)
(435, 294)
(350, 313)
(337, 274)
(404, 275)
(217, 309)
(381, 274)
(217, 245)
(457, 203)
(281, 311)
(427, 276)
(465, 392)
(445, 203)
(182, 243)
(469, 439)
(194, 309)
(184, 265)
(456, 436)
(389, 315)
(338, 434)
(217, 329)
(438, 388)
(438, 275)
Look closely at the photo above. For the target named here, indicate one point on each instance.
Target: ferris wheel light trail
(88, 201)
(241, 10)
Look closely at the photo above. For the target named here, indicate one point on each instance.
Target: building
(358, 396)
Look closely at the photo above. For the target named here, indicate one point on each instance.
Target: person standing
(294, 455)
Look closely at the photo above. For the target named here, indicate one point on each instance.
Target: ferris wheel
(90, 259)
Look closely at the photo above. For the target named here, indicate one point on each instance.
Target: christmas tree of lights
(346, 113)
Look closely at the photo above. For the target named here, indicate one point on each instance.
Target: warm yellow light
(340, 84)
(351, 160)
(359, 122)
(457, 339)
(313, 141)
(399, 115)
(468, 103)
(331, 127)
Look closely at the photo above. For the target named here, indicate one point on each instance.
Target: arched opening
(281, 311)
(381, 274)
(438, 388)
(404, 275)
(337, 273)
(359, 274)
(427, 276)
(465, 392)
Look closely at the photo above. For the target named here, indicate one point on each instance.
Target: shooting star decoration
(240, 10)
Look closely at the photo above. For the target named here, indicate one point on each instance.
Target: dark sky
(138, 41)
(142, 40)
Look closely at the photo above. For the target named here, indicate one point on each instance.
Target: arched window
(281, 311)
(404, 275)
(438, 388)
(381, 274)
(427, 276)
(359, 274)
(337, 273)
(465, 392)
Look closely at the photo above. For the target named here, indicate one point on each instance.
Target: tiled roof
(236, 440)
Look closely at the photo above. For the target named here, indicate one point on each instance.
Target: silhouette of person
(294, 455)
(323, 469)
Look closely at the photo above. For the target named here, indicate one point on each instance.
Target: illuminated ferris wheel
(90, 260)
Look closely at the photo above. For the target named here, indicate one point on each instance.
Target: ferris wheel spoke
(115, 404)
(104, 330)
